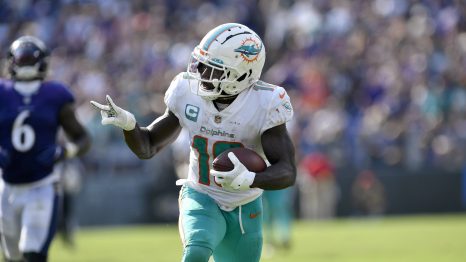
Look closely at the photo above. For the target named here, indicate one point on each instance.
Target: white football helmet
(228, 60)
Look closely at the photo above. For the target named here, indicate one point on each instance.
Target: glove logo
(191, 112)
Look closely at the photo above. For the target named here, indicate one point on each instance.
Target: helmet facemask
(28, 59)
(215, 80)
(31, 72)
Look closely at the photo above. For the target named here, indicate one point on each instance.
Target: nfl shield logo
(218, 119)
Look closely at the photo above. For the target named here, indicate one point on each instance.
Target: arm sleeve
(65, 96)
(279, 110)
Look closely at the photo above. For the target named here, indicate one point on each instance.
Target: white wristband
(130, 121)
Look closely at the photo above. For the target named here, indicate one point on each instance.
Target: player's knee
(34, 257)
(196, 254)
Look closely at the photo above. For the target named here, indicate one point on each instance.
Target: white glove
(240, 178)
(112, 114)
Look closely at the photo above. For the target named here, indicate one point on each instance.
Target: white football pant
(28, 216)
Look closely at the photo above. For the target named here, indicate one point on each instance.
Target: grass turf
(410, 238)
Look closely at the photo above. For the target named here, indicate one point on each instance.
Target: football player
(31, 112)
(223, 104)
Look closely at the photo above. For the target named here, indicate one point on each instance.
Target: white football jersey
(241, 124)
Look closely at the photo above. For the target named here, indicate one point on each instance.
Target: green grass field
(414, 238)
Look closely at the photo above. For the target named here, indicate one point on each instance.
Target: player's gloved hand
(4, 158)
(240, 178)
(112, 114)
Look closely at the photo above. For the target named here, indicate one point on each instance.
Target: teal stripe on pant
(204, 224)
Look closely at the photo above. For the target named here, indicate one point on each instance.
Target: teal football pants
(278, 215)
(207, 230)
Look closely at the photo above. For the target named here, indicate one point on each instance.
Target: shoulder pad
(279, 108)
(178, 87)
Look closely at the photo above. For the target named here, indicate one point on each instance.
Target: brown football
(249, 158)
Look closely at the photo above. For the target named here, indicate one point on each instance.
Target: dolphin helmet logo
(249, 50)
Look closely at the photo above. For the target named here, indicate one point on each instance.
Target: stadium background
(377, 86)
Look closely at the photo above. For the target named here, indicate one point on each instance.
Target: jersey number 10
(201, 145)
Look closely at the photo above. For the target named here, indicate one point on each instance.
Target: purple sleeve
(61, 94)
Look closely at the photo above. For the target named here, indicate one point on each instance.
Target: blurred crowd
(373, 83)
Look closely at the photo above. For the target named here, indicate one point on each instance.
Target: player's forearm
(279, 150)
(138, 140)
(145, 142)
(83, 144)
(77, 145)
(278, 176)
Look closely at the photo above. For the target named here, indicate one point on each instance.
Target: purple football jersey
(28, 127)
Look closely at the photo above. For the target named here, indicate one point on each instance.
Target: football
(250, 159)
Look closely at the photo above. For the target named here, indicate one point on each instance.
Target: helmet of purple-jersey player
(228, 60)
(28, 59)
